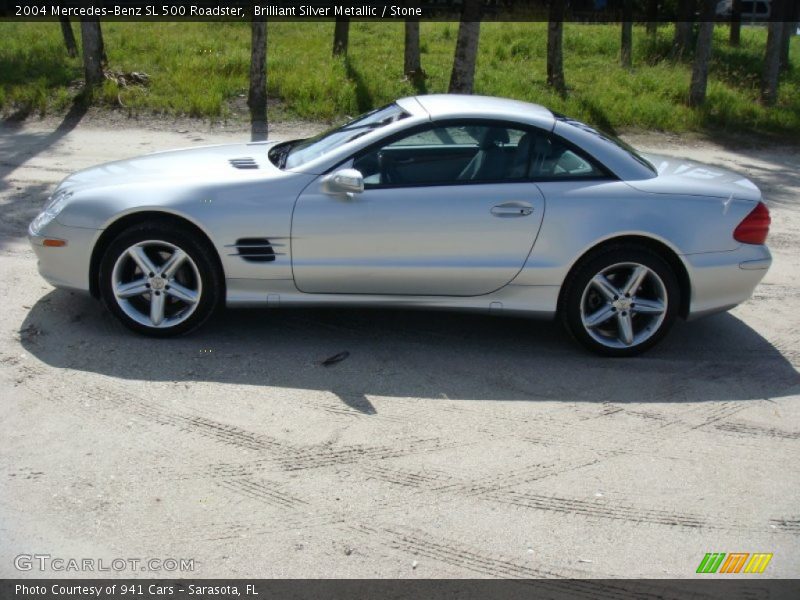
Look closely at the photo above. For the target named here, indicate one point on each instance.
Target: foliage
(201, 70)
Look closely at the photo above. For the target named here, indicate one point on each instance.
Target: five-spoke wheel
(623, 305)
(159, 280)
(156, 283)
(621, 301)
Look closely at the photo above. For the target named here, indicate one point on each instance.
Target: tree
(702, 54)
(790, 18)
(627, 34)
(93, 52)
(103, 56)
(341, 35)
(412, 66)
(736, 23)
(683, 28)
(652, 17)
(772, 57)
(257, 97)
(462, 79)
(555, 54)
(69, 37)
(786, 39)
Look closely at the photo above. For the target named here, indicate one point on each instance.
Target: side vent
(244, 163)
(256, 249)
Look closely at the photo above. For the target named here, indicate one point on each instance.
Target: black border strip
(598, 11)
(704, 588)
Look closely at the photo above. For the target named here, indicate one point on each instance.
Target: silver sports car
(440, 201)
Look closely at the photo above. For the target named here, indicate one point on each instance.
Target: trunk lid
(683, 176)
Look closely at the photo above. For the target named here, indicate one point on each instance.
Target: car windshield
(609, 138)
(299, 152)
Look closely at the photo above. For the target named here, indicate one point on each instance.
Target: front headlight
(54, 206)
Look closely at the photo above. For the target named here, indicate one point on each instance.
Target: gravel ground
(445, 445)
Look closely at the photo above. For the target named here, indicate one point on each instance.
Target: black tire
(204, 258)
(580, 277)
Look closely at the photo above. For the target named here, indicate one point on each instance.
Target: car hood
(188, 164)
(682, 176)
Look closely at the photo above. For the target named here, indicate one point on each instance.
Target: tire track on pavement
(744, 429)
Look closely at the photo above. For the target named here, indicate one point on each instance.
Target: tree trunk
(103, 56)
(683, 28)
(626, 44)
(790, 16)
(462, 79)
(92, 41)
(786, 39)
(341, 36)
(772, 57)
(652, 17)
(736, 23)
(257, 98)
(69, 37)
(412, 66)
(555, 56)
(702, 54)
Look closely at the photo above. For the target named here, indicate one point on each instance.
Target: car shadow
(419, 354)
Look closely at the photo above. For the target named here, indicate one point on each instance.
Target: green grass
(201, 70)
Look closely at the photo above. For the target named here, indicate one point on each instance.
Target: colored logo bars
(736, 562)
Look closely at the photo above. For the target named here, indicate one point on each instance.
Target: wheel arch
(657, 246)
(125, 221)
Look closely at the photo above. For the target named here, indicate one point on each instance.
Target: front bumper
(721, 280)
(65, 266)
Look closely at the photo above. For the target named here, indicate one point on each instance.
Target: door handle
(512, 209)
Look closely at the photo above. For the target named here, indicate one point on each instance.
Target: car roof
(448, 106)
(441, 107)
(444, 106)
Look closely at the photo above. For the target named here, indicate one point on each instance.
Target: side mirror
(344, 181)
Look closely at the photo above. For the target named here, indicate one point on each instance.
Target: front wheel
(621, 302)
(160, 280)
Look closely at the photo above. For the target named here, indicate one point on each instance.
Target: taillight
(755, 226)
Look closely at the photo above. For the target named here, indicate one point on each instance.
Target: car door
(446, 210)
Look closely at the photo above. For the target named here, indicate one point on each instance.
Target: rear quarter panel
(579, 216)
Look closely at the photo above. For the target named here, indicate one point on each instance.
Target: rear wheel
(160, 280)
(621, 301)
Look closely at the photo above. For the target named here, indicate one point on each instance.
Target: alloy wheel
(156, 283)
(623, 305)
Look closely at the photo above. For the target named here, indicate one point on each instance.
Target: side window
(554, 160)
(468, 153)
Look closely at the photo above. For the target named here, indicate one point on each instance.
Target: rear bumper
(721, 280)
(65, 266)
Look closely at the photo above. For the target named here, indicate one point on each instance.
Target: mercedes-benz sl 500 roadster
(439, 201)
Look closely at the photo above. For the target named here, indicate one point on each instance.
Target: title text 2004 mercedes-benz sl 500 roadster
(440, 201)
